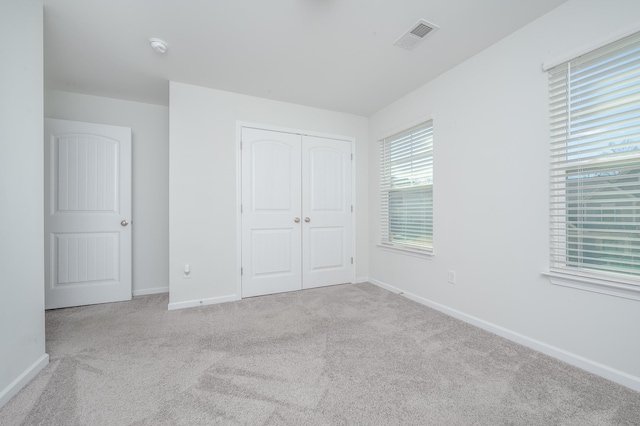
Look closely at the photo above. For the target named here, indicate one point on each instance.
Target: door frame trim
(268, 127)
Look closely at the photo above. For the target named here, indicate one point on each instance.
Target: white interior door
(326, 205)
(87, 213)
(296, 212)
(271, 225)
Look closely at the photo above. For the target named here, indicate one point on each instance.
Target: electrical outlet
(452, 277)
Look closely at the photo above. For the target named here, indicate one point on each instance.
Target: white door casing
(87, 213)
(326, 205)
(296, 212)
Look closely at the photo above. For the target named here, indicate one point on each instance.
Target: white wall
(203, 203)
(150, 132)
(22, 342)
(491, 198)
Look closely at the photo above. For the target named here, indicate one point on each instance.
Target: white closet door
(87, 213)
(271, 223)
(326, 205)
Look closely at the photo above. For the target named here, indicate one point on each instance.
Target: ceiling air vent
(418, 32)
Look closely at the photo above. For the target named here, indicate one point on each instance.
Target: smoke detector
(414, 36)
(158, 45)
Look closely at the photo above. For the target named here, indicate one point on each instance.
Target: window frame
(600, 280)
(416, 250)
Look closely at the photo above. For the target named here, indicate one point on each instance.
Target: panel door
(87, 213)
(271, 225)
(327, 217)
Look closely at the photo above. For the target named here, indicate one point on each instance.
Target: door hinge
(352, 208)
(240, 145)
(352, 260)
(241, 271)
(240, 208)
(351, 156)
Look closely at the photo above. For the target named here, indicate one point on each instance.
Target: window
(406, 189)
(595, 166)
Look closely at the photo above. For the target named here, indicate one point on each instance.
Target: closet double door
(296, 212)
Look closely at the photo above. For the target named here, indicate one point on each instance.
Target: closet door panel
(326, 207)
(271, 199)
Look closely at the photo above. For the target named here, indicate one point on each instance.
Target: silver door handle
(296, 220)
(125, 222)
(306, 219)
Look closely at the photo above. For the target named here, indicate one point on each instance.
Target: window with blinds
(406, 189)
(595, 165)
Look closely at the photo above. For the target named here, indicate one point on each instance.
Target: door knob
(306, 219)
(296, 220)
(125, 222)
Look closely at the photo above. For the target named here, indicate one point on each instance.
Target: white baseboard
(147, 291)
(591, 366)
(362, 280)
(203, 302)
(22, 380)
(386, 286)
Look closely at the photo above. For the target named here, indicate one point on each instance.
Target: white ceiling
(333, 54)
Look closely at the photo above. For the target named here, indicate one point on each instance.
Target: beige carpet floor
(343, 355)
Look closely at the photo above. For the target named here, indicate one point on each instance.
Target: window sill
(424, 254)
(611, 288)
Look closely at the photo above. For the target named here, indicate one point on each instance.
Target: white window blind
(595, 164)
(406, 189)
